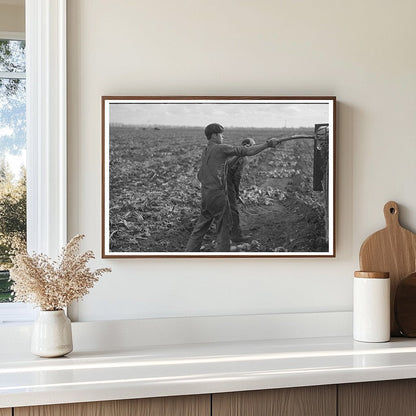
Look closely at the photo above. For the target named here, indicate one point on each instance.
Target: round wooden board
(405, 305)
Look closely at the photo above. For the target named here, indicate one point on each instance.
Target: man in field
(236, 166)
(215, 205)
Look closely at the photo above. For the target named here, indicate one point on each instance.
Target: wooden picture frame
(152, 150)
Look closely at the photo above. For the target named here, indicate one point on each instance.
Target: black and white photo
(218, 176)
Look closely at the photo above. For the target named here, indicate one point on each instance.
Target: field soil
(155, 196)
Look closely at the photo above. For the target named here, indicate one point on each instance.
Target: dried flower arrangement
(53, 285)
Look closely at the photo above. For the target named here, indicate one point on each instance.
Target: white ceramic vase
(52, 334)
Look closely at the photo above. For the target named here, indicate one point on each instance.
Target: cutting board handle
(391, 214)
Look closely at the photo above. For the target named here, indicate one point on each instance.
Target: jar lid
(372, 275)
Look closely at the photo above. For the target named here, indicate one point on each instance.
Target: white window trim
(46, 134)
(46, 125)
(13, 75)
(12, 35)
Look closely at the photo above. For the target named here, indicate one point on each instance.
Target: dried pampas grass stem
(53, 285)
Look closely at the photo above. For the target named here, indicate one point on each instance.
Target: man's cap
(213, 128)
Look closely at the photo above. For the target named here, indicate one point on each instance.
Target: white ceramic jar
(371, 309)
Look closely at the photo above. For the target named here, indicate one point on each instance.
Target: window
(12, 165)
(12, 154)
(46, 135)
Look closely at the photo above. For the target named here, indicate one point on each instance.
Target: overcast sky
(227, 114)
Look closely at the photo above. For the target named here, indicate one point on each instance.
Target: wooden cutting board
(393, 250)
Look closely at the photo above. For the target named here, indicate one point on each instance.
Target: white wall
(363, 52)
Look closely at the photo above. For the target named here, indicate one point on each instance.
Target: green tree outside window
(12, 155)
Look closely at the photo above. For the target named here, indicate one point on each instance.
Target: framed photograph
(218, 177)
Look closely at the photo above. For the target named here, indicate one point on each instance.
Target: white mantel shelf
(151, 371)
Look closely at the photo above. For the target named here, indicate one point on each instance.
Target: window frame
(46, 121)
(46, 137)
